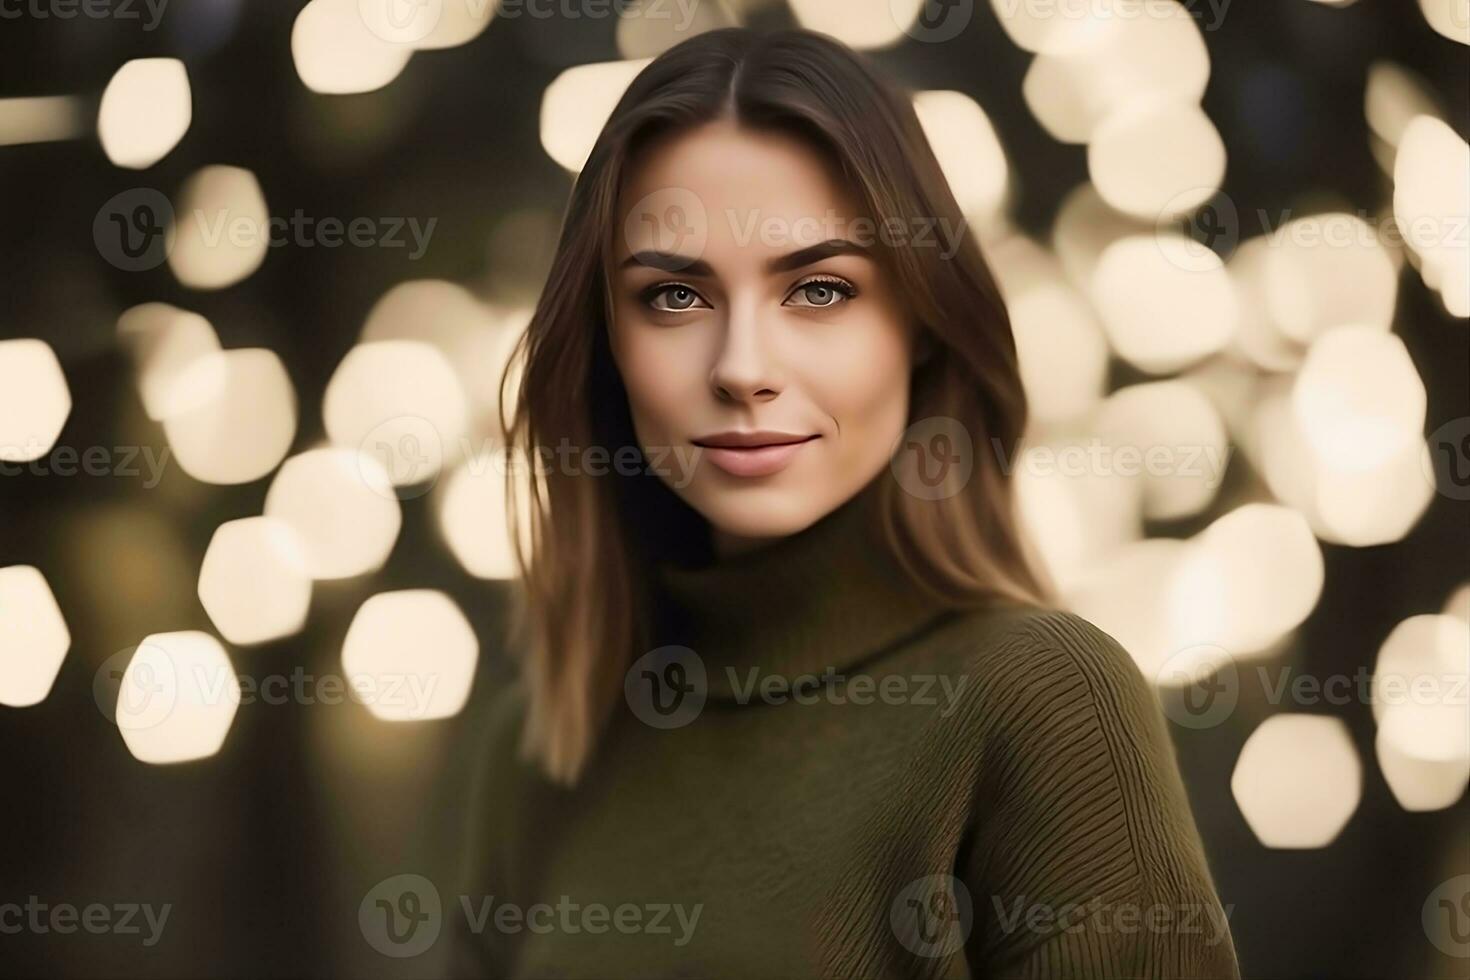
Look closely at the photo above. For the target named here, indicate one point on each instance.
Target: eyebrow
(674, 262)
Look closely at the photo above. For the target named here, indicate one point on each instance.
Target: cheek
(655, 372)
(862, 381)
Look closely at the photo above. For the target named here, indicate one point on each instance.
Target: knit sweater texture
(823, 772)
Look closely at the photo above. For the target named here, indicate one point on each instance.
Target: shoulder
(1020, 642)
(1021, 659)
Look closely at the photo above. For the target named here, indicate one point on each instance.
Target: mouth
(753, 454)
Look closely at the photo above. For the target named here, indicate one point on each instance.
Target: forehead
(737, 194)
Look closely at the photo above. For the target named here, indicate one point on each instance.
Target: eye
(673, 297)
(821, 293)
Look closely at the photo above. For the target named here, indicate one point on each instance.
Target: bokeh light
(1298, 780)
(145, 111)
(33, 636)
(410, 655)
(177, 698)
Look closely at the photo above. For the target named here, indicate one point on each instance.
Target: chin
(758, 512)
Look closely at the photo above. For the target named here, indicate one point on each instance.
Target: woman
(793, 701)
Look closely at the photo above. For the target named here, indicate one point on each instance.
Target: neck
(828, 596)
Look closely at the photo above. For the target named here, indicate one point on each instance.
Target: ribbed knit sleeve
(1083, 859)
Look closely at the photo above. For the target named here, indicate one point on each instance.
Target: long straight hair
(588, 554)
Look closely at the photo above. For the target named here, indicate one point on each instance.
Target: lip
(751, 454)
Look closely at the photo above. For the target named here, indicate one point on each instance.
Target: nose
(744, 370)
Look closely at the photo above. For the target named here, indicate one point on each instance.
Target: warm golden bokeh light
(171, 351)
(337, 53)
(342, 505)
(245, 428)
(1325, 271)
(1062, 350)
(34, 400)
(969, 152)
(878, 24)
(1156, 160)
(177, 698)
(254, 581)
(33, 637)
(399, 401)
(1431, 203)
(1179, 441)
(410, 656)
(1164, 302)
(577, 103)
(1358, 399)
(41, 119)
(222, 228)
(1449, 17)
(1096, 65)
(1249, 578)
(145, 111)
(1420, 703)
(648, 30)
(474, 515)
(1298, 780)
(1129, 596)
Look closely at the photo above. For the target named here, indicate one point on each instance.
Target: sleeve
(1083, 859)
(476, 949)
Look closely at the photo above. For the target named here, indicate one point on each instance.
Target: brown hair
(592, 542)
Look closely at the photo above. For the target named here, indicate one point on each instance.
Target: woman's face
(748, 308)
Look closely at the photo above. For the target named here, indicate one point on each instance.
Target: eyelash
(841, 286)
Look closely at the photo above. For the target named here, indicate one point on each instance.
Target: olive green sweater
(863, 783)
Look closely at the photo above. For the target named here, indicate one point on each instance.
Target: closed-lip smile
(759, 452)
(751, 440)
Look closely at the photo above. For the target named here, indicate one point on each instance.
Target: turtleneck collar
(829, 596)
